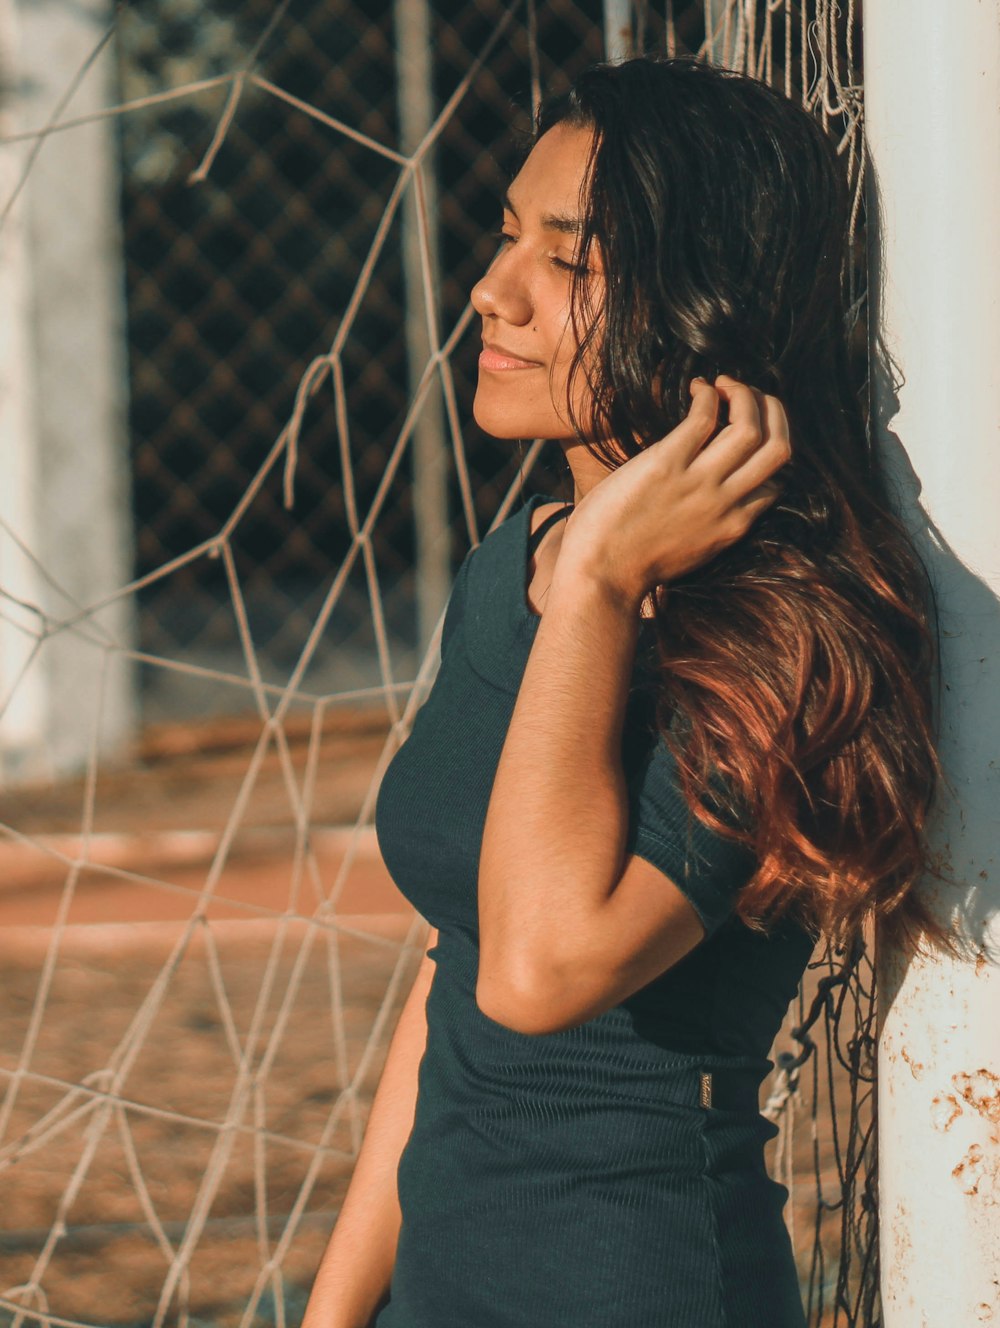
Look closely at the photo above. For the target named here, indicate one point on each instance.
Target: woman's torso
(605, 1126)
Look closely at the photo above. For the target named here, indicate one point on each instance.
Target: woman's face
(523, 298)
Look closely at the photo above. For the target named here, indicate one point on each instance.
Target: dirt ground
(187, 1071)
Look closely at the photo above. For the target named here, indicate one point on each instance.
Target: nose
(502, 292)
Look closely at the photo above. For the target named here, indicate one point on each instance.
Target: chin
(500, 423)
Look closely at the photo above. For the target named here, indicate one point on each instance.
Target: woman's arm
(566, 928)
(352, 1283)
(563, 932)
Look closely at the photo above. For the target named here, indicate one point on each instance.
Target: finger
(743, 400)
(698, 425)
(774, 417)
(752, 507)
(743, 434)
(763, 466)
(758, 500)
(767, 459)
(767, 491)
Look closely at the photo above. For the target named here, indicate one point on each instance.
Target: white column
(430, 448)
(617, 29)
(22, 694)
(932, 91)
(82, 520)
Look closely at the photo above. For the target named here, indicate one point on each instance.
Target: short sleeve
(708, 868)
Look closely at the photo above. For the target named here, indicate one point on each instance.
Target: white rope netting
(270, 1113)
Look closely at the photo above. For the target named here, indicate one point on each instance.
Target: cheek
(566, 336)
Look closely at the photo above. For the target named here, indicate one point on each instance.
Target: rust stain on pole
(945, 1110)
(916, 1067)
(902, 1243)
(981, 1090)
(979, 1175)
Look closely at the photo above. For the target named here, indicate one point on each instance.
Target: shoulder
(542, 512)
(482, 570)
(524, 516)
(505, 544)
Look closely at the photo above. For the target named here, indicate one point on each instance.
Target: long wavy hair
(795, 670)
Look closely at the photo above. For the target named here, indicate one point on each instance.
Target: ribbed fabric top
(581, 1177)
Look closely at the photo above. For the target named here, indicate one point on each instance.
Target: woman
(676, 736)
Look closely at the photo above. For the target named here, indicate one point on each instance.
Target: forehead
(553, 174)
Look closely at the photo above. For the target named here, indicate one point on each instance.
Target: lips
(496, 357)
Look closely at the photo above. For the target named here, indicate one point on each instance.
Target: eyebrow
(551, 221)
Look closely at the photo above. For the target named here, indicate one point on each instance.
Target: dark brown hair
(796, 668)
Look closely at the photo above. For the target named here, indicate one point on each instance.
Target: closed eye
(504, 239)
(571, 267)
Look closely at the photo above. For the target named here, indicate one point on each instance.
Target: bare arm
(569, 925)
(352, 1283)
(556, 827)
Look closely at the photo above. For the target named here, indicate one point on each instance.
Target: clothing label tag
(706, 1088)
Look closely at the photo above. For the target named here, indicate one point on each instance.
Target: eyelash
(503, 238)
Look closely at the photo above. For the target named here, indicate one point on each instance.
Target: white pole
(23, 709)
(83, 503)
(430, 447)
(617, 29)
(932, 90)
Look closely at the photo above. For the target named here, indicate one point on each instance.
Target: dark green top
(608, 1175)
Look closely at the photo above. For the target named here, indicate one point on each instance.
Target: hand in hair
(685, 498)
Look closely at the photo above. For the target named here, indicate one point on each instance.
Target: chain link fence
(239, 277)
(237, 280)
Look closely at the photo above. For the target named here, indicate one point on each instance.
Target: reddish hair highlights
(797, 666)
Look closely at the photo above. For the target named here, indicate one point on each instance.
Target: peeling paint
(916, 1067)
(971, 1161)
(944, 1111)
(902, 1243)
(981, 1090)
(979, 1175)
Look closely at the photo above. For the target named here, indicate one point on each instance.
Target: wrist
(582, 575)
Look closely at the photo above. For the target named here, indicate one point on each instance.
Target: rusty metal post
(932, 90)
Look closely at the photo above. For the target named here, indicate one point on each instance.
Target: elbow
(527, 1005)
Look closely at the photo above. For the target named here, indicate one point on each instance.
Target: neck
(586, 470)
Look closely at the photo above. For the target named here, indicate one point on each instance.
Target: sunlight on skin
(523, 299)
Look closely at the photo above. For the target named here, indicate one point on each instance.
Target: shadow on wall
(965, 887)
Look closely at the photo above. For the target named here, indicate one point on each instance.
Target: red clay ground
(157, 827)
